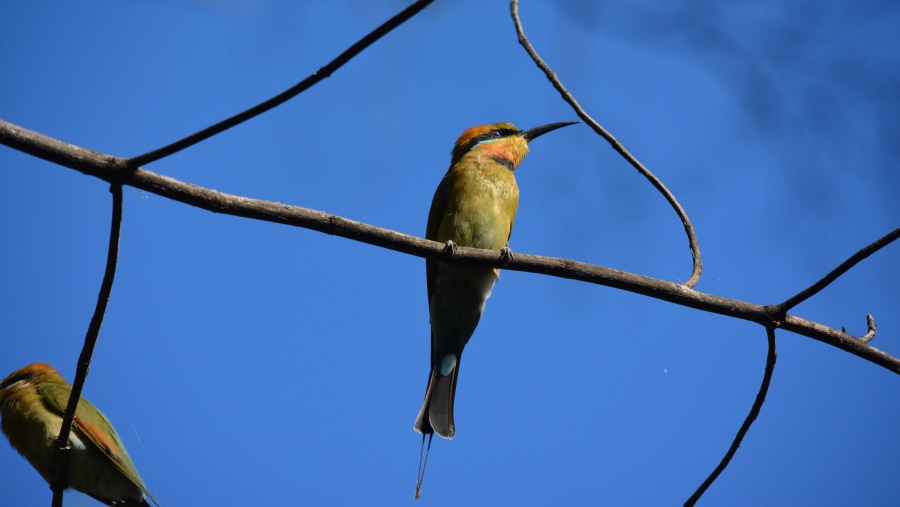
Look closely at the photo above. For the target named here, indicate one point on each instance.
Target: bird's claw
(450, 248)
(506, 255)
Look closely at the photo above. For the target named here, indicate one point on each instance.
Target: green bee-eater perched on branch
(474, 206)
(32, 403)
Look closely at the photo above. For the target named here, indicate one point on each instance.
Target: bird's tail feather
(436, 415)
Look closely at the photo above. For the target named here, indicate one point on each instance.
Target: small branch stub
(870, 321)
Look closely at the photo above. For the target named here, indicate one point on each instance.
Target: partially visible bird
(474, 206)
(32, 403)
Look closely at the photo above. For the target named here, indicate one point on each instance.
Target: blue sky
(246, 363)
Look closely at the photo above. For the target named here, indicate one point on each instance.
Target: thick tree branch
(616, 145)
(748, 421)
(286, 95)
(115, 170)
(61, 465)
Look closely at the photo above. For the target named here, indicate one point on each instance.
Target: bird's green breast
(481, 203)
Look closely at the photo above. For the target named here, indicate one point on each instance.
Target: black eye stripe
(491, 135)
(494, 134)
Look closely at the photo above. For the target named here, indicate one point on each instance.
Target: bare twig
(616, 145)
(754, 412)
(284, 96)
(838, 271)
(114, 169)
(90, 340)
(866, 338)
(870, 333)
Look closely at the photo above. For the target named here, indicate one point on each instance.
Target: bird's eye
(495, 134)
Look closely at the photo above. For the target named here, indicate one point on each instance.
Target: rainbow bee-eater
(32, 403)
(474, 206)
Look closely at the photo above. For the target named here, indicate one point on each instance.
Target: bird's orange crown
(28, 373)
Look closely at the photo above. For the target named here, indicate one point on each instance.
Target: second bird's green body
(32, 404)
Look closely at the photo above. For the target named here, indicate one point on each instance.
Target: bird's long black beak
(543, 129)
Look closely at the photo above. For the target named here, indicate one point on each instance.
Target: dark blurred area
(819, 80)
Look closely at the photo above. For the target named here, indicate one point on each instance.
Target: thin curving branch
(616, 145)
(845, 266)
(61, 467)
(116, 170)
(286, 95)
(754, 413)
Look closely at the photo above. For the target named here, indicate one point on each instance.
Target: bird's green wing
(93, 425)
(436, 215)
